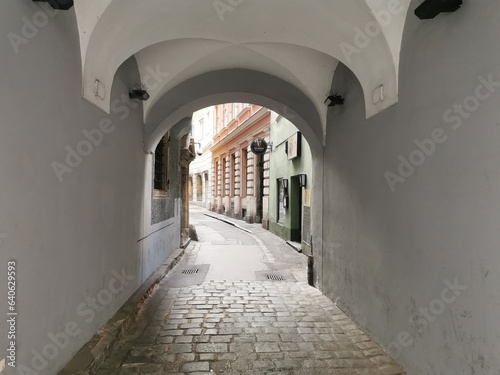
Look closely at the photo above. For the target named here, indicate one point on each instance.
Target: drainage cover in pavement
(191, 271)
(275, 277)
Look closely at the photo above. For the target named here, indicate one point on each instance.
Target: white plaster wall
(68, 237)
(388, 254)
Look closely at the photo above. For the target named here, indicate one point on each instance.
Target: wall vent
(275, 277)
(191, 271)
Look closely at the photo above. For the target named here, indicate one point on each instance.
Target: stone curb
(93, 354)
(228, 222)
(294, 246)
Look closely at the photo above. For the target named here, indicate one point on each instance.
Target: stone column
(187, 156)
(194, 178)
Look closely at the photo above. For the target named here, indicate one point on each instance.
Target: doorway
(295, 209)
(259, 188)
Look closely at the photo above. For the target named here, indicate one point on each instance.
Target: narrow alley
(239, 303)
(365, 133)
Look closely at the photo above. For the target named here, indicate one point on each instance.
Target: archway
(199, 188)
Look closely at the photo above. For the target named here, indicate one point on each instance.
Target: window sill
(160, 194)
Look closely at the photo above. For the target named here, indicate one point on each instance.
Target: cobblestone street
(193, 324)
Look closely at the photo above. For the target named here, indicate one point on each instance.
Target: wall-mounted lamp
(139, 94)
(199, 152)
(334, 100)
(58, 4)
(284, 182)
(303, 180)
(431, 8)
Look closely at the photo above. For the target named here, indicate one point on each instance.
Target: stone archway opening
(272, 187)
(199, 188)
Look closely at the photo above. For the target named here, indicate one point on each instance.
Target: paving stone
(211, 348)
(195, 366)
(230, 331)
(271, 355)
(241, 348)
(183, 339)
(179, 348)
(227, 356)
(315, 363)
(292, 337)
(263, 365)
(224, 338)
(246, 328)
(245, 338)
(186, 357)
(268, 337)
(194, 331)
(207, 357)
(266, 347)
(202, 338)
(165, 339)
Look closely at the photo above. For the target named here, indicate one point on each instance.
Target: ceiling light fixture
(58, 4)
(334, 99)
(431, 8)
(139, 92)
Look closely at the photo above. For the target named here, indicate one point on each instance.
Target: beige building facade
(241, 179)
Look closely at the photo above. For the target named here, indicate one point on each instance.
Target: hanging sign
(294, 146)
(258, 146)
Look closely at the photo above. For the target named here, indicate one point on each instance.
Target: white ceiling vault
(297, 41)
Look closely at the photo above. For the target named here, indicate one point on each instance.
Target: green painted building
(289, 184)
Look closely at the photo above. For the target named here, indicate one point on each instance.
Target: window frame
(161, 186)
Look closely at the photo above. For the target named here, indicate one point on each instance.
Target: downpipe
(310, 266)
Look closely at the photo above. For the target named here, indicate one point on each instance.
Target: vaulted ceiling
(298, 42)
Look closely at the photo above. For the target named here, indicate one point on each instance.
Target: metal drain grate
(191, 271)
(275, 277)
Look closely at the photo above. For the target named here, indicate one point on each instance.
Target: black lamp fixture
(285, 184)
(334, 99)
(303, 180)
(431, 8)
(58, 4)
(139, 92)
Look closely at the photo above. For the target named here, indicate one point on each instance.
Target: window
(223, 173)
(243, 172)
(161, 165)
(233, 175)
(202, 129)
(281, 202)
(216, 182)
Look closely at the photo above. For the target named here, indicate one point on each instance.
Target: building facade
(240, 178)
(200, 170)
(290, 181)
